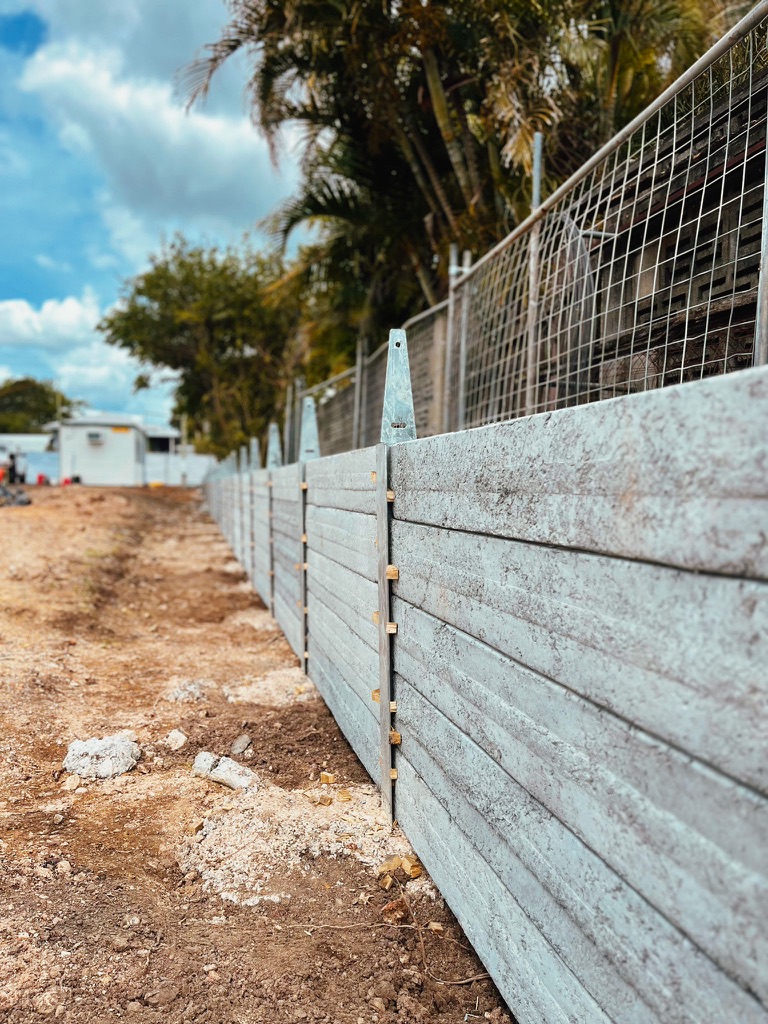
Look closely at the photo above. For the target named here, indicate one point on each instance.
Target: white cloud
(5, 374)
(164, 168)
(157, 39)
(57, 325)
(138, 168)
(49, 263)
(103, 376)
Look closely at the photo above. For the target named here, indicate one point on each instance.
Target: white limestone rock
(102, 758)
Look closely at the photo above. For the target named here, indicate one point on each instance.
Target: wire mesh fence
(335, 400)
(641, 271)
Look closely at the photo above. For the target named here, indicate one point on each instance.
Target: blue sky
(98, 163)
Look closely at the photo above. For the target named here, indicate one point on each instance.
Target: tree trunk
(445, 124)
(418, 174)
(423, 277)
(437, 185)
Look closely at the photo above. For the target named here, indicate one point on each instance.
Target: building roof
(115, 419)
(152, 430)
(23, 443)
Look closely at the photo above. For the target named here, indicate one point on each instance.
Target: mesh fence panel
(641, 272)
(335, 419)
(426, 354)
(375, 375)
(642, 275)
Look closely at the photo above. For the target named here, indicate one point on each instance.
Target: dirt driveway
(159, 895)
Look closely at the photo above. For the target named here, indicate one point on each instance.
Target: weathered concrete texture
(678, 476)
(102, 758)
(342, 591)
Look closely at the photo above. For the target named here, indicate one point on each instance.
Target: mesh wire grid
(644, 274)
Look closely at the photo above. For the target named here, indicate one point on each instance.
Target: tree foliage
(206, 314)
(26, 405)
(418, 120)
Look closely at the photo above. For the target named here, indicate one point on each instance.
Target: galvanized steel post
(309, 449)
(274, 461)
(760, 351)
(466, 265)
(533, 282)
(453, 272)
(398, 423)
(356, 414)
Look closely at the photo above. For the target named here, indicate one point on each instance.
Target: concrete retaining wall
(580, 670)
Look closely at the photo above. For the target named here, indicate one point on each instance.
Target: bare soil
(160, 896)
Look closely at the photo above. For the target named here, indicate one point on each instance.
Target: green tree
(206, 315)
(26, 405)
(419, 119)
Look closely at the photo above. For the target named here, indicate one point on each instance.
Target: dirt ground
(160, 895)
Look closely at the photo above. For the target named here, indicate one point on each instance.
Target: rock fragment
(102, 758)
(240, 745)
(164, 994)
(175, 739)
(224, 771)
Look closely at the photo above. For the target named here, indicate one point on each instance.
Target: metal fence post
(298, 395)
(453, 272)
(398, 423)
(531, 362)
(466, 264)
(287, 424)
(274, 461)
(309, 449)
(356, 414)
(760, 350)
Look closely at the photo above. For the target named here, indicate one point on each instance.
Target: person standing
(12, 468)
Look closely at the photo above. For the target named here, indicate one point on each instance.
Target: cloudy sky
(99, 162)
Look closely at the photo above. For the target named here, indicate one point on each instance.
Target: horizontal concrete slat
(357, 663)
(657, 646)
(343, 481)
(352, 598)
(678, 476)
(349, 538)
(361, 730)
(578, 796)
(286, 482)
(533, 979)
(290, 623)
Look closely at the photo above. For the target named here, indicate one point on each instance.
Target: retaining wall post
(398, 423)
(309, 449)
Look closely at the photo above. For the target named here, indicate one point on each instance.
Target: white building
(117, 450)
(106, 451)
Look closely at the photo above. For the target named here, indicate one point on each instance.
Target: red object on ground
(66, 482)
